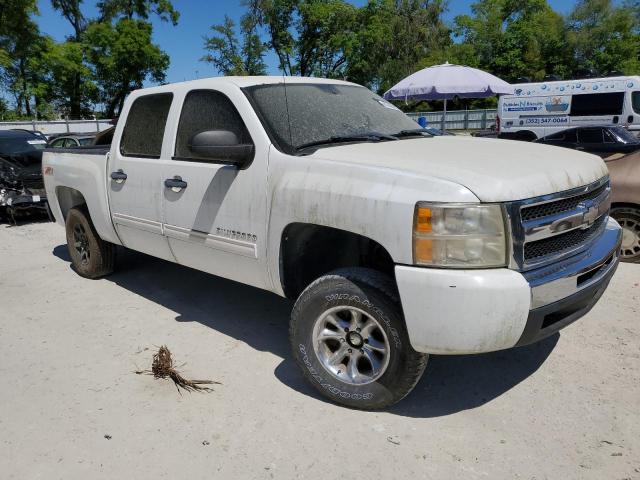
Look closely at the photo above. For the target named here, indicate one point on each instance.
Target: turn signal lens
(423, 220)
(423, 250)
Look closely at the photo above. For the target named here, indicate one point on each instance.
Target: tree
(123, 56)
(71, 10)
(513, 38)
(394, 39)
(604, 37)
(23, 58)
(231, 56)
(310, 37)
(141, 9)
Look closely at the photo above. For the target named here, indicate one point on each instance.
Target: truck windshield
(303, 114)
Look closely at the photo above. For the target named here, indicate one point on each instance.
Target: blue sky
(184, 43)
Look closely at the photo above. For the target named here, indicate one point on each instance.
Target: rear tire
(629, 220)
(91, 257)
(349, 338)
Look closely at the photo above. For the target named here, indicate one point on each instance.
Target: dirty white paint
(369, 189)
(494, 170)
(86, 174)
(463, 311)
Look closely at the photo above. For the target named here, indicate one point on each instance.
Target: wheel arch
(635, 206)
(308, 251)
(69, 198)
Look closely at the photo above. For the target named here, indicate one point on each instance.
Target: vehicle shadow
(260, 319)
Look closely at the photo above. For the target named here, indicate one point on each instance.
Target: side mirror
(222, 146)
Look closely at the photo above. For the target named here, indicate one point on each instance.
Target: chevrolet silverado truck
(395, 244)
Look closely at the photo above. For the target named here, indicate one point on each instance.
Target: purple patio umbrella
(444, 82)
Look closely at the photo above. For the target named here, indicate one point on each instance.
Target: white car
(395, 243)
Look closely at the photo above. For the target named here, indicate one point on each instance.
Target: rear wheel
(349, 338)
(91, 256)
(629, 220)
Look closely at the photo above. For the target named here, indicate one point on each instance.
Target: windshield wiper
(366, 137)
(418, 132)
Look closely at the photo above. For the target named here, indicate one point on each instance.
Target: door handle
(119, 176)
(176, 184)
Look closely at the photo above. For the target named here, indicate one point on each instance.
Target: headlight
(463, 236)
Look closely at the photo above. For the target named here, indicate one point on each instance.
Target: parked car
(602, 140)
(35, 133)
(396, 244)
(625, 186)
(490, 132)
(21, 184)
(104, 138)
(71, 141)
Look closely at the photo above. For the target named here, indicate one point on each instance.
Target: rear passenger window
(570, 136)
(205, 110)
(144, 130)
(590, 135)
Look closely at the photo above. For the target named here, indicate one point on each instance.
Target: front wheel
(629, 220)
(349, 338)
(91, 256)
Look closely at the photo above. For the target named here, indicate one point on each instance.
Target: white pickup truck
(395, 243)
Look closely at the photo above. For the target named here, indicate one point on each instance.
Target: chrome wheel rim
(630, 237)
(81, 243)
(351, 345)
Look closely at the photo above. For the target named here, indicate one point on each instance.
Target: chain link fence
(59, 126)
(459, 119)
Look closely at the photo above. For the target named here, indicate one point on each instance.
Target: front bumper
(474, 311)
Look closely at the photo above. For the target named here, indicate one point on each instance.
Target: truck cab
(394, 244)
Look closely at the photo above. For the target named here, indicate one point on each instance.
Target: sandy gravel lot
(71, 408)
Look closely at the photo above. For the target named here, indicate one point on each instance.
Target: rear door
(217, 222)
(135, 176)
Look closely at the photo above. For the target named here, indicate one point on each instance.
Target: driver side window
(206, 110)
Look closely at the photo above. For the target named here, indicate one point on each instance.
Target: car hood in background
(494, 170)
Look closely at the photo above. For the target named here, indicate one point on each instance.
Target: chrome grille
(563, 242)
(559, 206)
(553, 227)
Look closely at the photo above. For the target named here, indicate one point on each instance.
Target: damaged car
(21, 185)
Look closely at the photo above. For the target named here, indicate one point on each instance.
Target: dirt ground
(72, 408)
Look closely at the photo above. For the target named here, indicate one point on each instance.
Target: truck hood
(494, 170)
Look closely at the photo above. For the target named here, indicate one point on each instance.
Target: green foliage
(123, 56)
(142, 9)
(526, 38)
(605, 38)
(231, 56)
(513, 39)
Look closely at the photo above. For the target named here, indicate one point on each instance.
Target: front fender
(377, 203)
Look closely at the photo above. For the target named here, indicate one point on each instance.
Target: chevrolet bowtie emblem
(590, 216)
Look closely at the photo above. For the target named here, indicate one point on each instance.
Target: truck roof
(239, 81)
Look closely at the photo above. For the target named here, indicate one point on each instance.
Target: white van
(540, 109)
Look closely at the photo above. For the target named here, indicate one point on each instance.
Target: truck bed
(69, 171)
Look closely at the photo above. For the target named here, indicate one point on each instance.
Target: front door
(215, 212)
(135, 176)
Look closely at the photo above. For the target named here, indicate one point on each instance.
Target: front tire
(91, 257)
(349, 338)
(629, 220)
